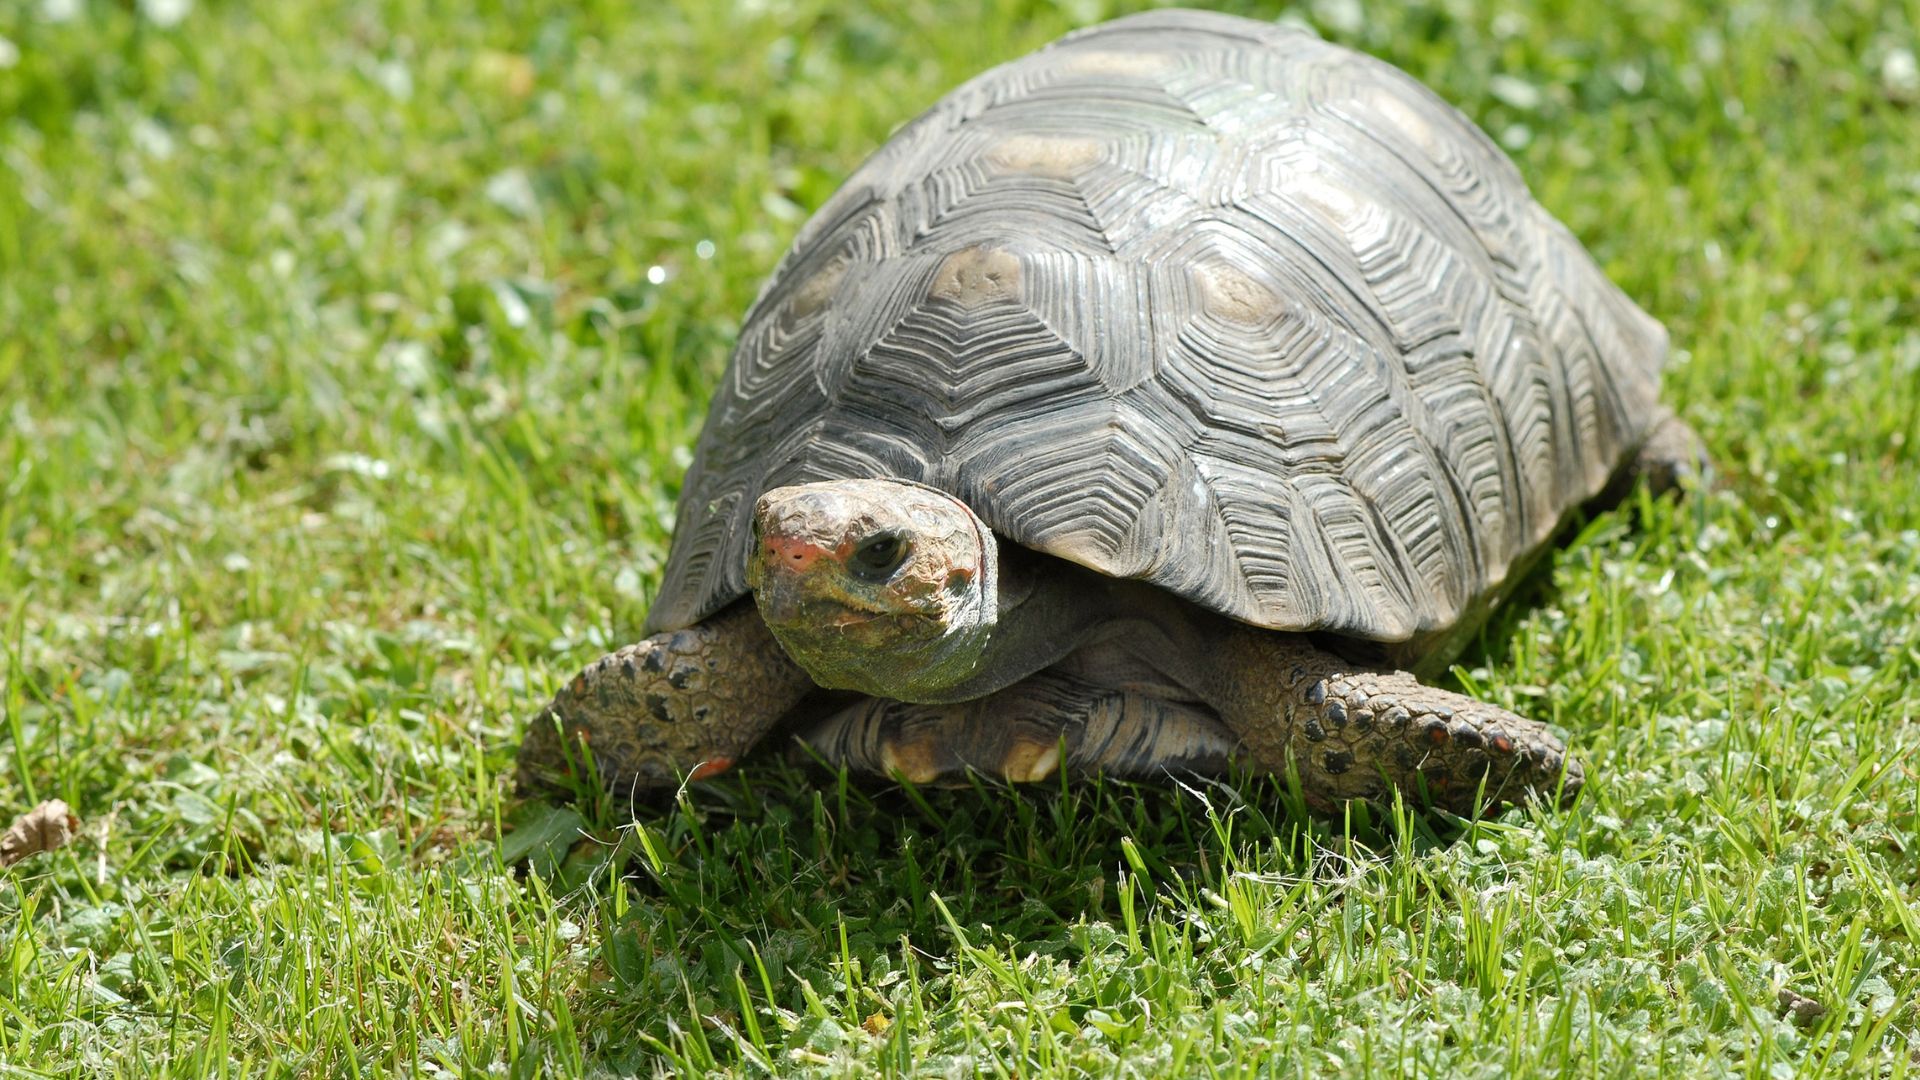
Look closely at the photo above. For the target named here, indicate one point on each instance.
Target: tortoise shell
(1198, 300)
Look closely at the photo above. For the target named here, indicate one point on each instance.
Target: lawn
(351, 353)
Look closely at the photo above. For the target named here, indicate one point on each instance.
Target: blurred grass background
(351, 352)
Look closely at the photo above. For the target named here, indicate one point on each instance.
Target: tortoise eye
(878, 558)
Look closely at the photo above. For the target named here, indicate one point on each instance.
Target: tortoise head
(881, 586)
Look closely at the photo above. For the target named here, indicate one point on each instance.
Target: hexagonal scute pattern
(1197, 300)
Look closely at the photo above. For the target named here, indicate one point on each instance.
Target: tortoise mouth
(793, 600)
(877, 627)
(849, 644)
(910, 623)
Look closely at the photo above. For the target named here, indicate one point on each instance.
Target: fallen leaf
(1802, 1008)
(44, 828)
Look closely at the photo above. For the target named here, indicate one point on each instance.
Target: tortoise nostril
(795, 556)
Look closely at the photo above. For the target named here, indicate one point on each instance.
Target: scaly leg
(1354, 732)
(1673, 458)
(683, 704)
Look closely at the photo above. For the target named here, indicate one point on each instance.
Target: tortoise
(1175, 397)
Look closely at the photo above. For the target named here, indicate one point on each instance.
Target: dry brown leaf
(46, 827)
(1803, 1009)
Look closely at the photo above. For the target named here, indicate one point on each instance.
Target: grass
(350, 354)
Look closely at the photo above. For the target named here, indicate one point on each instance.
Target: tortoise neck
(1050, 608)
(1047, 609)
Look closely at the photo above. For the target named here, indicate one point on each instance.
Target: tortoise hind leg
(1024, 733)
(685, 704)
(1356, 732)
(1673, 458)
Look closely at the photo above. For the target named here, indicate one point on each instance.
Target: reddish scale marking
(711, 768)
(799, 556)
(796, 555)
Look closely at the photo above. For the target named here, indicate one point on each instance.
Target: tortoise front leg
(1355, 732)
(1023, 734)
(683, 704)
